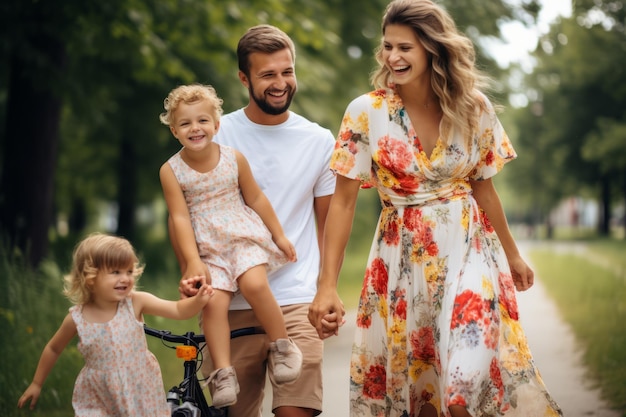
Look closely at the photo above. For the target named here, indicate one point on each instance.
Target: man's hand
(326, 313)
(196, 270)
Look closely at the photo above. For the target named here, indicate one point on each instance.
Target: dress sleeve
(493, 144)
(352, 157)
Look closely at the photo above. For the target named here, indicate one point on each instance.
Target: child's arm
(185, 238)
(257, 201)
(48, 358)
(186, 308)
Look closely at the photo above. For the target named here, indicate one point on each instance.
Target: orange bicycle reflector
(187, 353)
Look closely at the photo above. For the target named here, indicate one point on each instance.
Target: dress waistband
(457, 190)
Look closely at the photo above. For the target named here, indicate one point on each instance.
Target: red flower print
(507, 295)
(394, 154)
(485, 221)
(457, 399)
(494, 373)
(426, 396)
(423, 344)
(390, 234)
(375, 382)
(381, 92)
(400, 310)
(376, 274)
(412, 219)
(468, 307)
(364, 321)
(489, 158)
(407, 183)
(432, 249)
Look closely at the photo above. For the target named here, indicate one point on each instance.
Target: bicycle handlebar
(192, 338)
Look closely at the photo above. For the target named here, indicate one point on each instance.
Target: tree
(98, 72)
(582, 96)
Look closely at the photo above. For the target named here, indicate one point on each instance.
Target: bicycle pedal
(187, 353)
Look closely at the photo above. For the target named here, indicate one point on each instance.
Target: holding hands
(326, 312)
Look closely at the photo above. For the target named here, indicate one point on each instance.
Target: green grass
(589, 289)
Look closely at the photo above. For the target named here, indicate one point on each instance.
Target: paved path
(550, 339)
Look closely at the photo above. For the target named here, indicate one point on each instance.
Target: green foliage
(31, 309)
(571, 134)
(590, 292)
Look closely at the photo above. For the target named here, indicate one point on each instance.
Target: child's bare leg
(256, 290)
(216, 328)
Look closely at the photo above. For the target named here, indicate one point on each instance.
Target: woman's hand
(523, 275)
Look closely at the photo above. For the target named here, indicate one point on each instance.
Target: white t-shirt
(290, 161)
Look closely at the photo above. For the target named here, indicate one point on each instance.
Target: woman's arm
(487, 198)
(48, 359)
(336, 235)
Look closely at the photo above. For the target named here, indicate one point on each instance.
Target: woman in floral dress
(438, 332)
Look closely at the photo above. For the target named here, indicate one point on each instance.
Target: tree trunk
(127, 189)
(30, 149)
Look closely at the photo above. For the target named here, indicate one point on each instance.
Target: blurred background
(82, 84)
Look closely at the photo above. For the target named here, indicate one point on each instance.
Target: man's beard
(268, 108)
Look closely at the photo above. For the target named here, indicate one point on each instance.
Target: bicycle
(187, 399)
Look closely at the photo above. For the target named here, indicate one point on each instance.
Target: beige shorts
(249, 357)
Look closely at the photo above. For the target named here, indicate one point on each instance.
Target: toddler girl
(121, 377)
(225, 229)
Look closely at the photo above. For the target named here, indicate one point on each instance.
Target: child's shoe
(225, 387)
(286, 359)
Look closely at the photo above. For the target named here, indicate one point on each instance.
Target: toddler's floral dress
(121, 377)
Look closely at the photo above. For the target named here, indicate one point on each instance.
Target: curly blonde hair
(190, 94)
(454, 77)
(95, 253)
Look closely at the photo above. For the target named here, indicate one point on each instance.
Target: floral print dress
(231, 237)
(437, 320)
(121, 377)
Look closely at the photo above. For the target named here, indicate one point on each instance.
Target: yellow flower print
(357, 368)
(417, 368)
(362, 124)
(382, 308)
(386, 178)
(465, 217)
(347, 120)
(342, 160)
(488, 292)
(378, 97)
(431, 271)
(438, 151)
(397, 332)
(398, 361)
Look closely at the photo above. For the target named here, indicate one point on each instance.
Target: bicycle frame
(189, 390)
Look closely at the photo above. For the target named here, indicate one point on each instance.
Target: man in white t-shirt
(290, 158)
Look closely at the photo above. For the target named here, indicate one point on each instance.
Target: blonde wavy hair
(454, 77)
(95, 253)
(190, 94)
